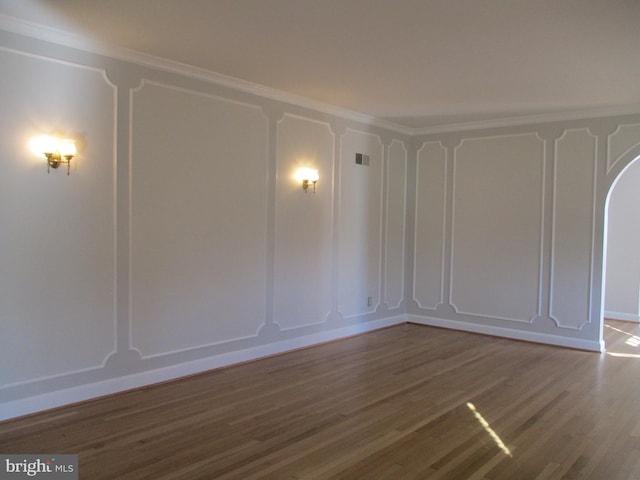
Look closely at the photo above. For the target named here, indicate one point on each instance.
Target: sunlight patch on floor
(625, 355)
(489, 430)
(632, 341)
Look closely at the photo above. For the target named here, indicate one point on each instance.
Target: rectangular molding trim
(543, 338)
(68, 396)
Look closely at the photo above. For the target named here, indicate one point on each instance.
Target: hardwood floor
(408, 402)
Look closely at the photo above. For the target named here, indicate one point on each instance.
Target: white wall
(57, 242)
(508, 228)
(198, 210)
(181, 241)
(623, 254)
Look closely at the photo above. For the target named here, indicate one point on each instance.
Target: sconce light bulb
(56, 151)
(67, 148)
(43, 144)
(309, 178)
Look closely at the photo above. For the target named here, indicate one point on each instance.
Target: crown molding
(72, 40)
(586, 114)
(67, 39)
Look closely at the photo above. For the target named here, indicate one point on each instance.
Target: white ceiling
(417, 63)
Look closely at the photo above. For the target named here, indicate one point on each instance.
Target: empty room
(317, 239)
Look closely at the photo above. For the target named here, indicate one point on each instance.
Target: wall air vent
(362, 159)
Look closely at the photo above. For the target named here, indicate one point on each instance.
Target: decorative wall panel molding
(620, 142)
(497, 220)
(57, 268)
(198, 188)
(304, 224)
(396, 172)
(360, 231)
(573, 220)
(431, 181)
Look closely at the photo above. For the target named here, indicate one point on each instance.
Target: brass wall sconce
(56, 151)
(309, 178)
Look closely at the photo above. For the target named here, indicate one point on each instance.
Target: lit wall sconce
(56, 151)
(309, 178)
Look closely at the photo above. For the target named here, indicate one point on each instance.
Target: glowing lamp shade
(308, 177)
(67, 148)
(43, 144)
(56, 151)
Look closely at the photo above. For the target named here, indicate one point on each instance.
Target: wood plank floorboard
(407, 402)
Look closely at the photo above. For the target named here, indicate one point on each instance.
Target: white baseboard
(626, 317)
(25, 406)
(535, 337)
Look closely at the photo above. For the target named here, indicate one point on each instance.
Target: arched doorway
(616, 297)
